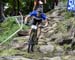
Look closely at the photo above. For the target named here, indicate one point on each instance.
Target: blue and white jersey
(34, 14)
(71, 5)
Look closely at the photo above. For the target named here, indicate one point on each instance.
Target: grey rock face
(54, 58)
(46, 48)
(14, 58)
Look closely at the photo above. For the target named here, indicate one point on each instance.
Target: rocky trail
(52, 45)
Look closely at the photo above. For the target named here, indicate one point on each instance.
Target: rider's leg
(28, 48)
(32, 48)
(30, 31)
(39, 28)
(38, 32)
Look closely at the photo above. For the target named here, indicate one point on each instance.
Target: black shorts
(36, 22)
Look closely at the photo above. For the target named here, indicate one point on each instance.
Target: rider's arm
(33, 13)
(34, 4)
(46, 24)
(26, 18)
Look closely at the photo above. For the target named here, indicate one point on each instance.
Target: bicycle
(33, 38)
(36, 30)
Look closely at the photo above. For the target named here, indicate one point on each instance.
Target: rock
(3, 47)
(56, 37)
(59, 18)
(41, 36)
(14, 58)
(66, 57)
(22, 33)
(46, 48)
(49, 33)
(1, 58)
(45, 58)
(19, 42)
(56, 58)
(42, 43)
(55, 14)
(62, 39)
(65, 41)
(72, 58)
(59, 51)
(19, 45)
(69, 57)
(73, 44)
(46, 29)
(49, 43)
(21, 38)
(61, 5)
(71, 52)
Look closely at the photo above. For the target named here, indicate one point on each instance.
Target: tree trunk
(2, 16)
(14, 12)
(18, 5)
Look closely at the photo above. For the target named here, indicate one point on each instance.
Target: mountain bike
(33, 38)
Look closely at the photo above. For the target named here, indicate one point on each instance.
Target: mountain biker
(38, 17)
(38, 4)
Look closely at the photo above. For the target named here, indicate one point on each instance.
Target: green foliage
(8, 27)
(68, 14)
(25, 5)
(64, 0)
(62, 27)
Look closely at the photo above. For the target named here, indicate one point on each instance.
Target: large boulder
(59, 51)
(46, 48)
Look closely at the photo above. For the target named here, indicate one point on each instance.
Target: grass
(8, 27)
(69, 19)
(8, 52)
(16, 52)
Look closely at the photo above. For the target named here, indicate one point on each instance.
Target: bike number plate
(34, 27)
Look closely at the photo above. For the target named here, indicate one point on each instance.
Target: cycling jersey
(34, 14)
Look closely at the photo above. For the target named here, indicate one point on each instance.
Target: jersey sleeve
(44, 17)
(33, 13)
